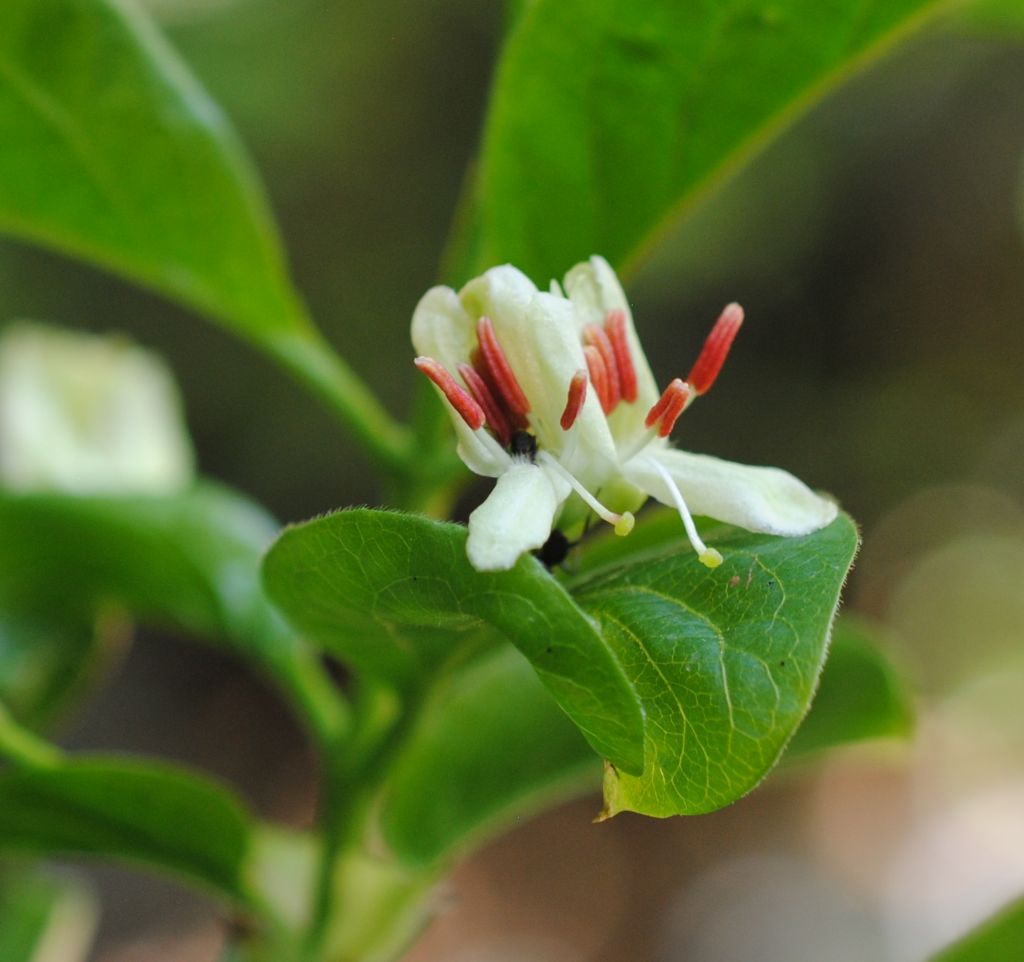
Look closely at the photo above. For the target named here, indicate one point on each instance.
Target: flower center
(492, 398)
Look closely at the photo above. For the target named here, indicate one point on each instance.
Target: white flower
(550, 393)
(88, 414)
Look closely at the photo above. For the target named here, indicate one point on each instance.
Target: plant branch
(352, 777)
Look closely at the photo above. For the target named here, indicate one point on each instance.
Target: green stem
(352, 778)
(316, 699)
(356, 756)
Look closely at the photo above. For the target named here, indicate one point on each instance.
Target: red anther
(496, 419)
(476, 358)
(615, 328)
(595, 337)
(715, 350)
(574, 402)
(468, 409)
(508, 389)
(670, 397)
(598, 375)
(672, 411)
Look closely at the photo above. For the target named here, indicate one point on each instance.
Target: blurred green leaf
(860, 695)
(45, 657)
(607, 117)
(136, 811)
(190, 561)
(999, 17)
(490, 746)
(999, 939)
(725, 661)
(356, 581)
(115, 154)
(38, 912)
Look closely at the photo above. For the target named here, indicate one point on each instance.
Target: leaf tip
(611, 806)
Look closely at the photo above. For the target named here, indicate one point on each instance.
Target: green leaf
(490, 746)
(999, 939)
(608, 117)
(860, 696)
(140, 812)
(38, 912)
(724, 662)
(190, 561)
(44, 659)
(115, 154)
(995, 17)
(357, 581)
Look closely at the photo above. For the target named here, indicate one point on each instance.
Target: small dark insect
(555, 550)
(523, 444)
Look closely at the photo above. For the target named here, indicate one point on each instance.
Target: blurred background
(877, 249)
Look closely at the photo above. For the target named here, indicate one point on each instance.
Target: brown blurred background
(877, 249)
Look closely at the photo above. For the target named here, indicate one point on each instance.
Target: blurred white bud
(88, 414)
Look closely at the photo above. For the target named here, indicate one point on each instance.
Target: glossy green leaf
(142, 812)
(190, 561)
(490, 745)
(389, 592)
(607, 116)
(38, 912)
(115, 154)
(724, 662)
(860, 695)
(999, 939)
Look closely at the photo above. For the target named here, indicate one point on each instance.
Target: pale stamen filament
(708, 557)
(622, 523)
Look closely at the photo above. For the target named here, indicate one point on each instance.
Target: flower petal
(505, 295)
(595, 290)
(538, 333)
(500, 293)
(442, 329)
(88, 414)
(768, 500)
(516, 517)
